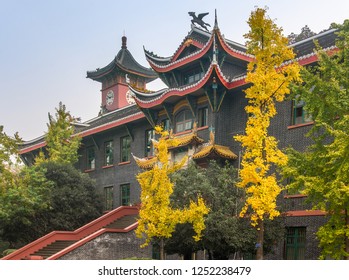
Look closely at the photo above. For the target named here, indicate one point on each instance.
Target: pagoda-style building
(203, 107)
(114, 77)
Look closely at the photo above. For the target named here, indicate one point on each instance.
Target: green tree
(226, 234)
(72, 199)
(322, 172)
(23, 190)
(270, 77)
(61, 143)
(158, 217)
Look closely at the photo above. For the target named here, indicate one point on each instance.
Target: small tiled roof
(213, 150)
(98, 124)
(187, 139)
(123, 61)
(307, 46)
(145, 163)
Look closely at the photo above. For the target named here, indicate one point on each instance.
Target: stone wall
(111, 246)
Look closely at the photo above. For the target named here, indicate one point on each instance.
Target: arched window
(184, 121)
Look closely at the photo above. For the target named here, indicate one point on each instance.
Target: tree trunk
(346, 236)
(260, 239)
(162, 249)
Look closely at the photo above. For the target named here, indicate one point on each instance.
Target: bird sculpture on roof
(198, 19)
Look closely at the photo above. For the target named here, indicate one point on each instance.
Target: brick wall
(111, 246)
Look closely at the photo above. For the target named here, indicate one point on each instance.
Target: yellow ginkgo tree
(157, 218)
(270, 74)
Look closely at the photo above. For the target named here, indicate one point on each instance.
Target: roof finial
(124, 41)
(215, 19)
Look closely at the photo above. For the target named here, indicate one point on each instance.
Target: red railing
(78, 234)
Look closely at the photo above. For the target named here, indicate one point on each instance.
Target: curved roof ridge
(162, 92)
(153, 56)
(174, 63)
(314, 37)
(122, 60)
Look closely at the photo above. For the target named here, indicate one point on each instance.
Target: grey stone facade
(111, 246)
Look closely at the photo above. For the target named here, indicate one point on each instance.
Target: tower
(114, 77)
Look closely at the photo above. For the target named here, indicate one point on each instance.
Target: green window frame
(149, 147)
(108, 153)
(108, 198)
(125, 148)
(125, 194)
(193, 76)
(299, 115)
(295, 243)
(91, 158)
(203, 117)
(184, 121)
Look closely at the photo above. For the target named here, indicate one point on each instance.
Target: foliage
(322, 171)
(8, 149)
(306, 32)
(23, 190)
(157, 216)
(270, 79)
(226, 234)
(72, 201)
(61, 143)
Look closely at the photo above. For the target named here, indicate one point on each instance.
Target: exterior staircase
(59, 243)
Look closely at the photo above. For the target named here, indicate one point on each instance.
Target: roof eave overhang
(158, 99)
(183, 61)
(91, 131)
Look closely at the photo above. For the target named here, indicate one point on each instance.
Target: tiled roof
(145, 163)
(187, 139)
(124, 61)
(214, 151)
(98, 124)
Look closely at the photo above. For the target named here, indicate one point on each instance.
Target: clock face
(109, 97)
(129, 97)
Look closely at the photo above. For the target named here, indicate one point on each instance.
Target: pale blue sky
(46, 47)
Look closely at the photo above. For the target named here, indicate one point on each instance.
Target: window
(108, 153)
(108, 198)
(193, 76)
(125, 194)
(299, 114)
(125, 149)
(91, 158)
(203, 117)
(165, 124)
(149, 148)
(184, 121)
(295, 243)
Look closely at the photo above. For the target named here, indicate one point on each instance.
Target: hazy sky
(46, 47)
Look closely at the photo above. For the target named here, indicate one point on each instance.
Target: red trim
(305, 213)
(32, 148)
(184, 45)
(300, 125)
(78, 234)
(111, 125)
(124, 163)
(202, 128)
(314, 58)
(176, 92)
(232, 52)
(108, 166)
(88, 132)
(295, 196)
(175, 65)
(308, 60)
(89, 170)
(89, 238)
